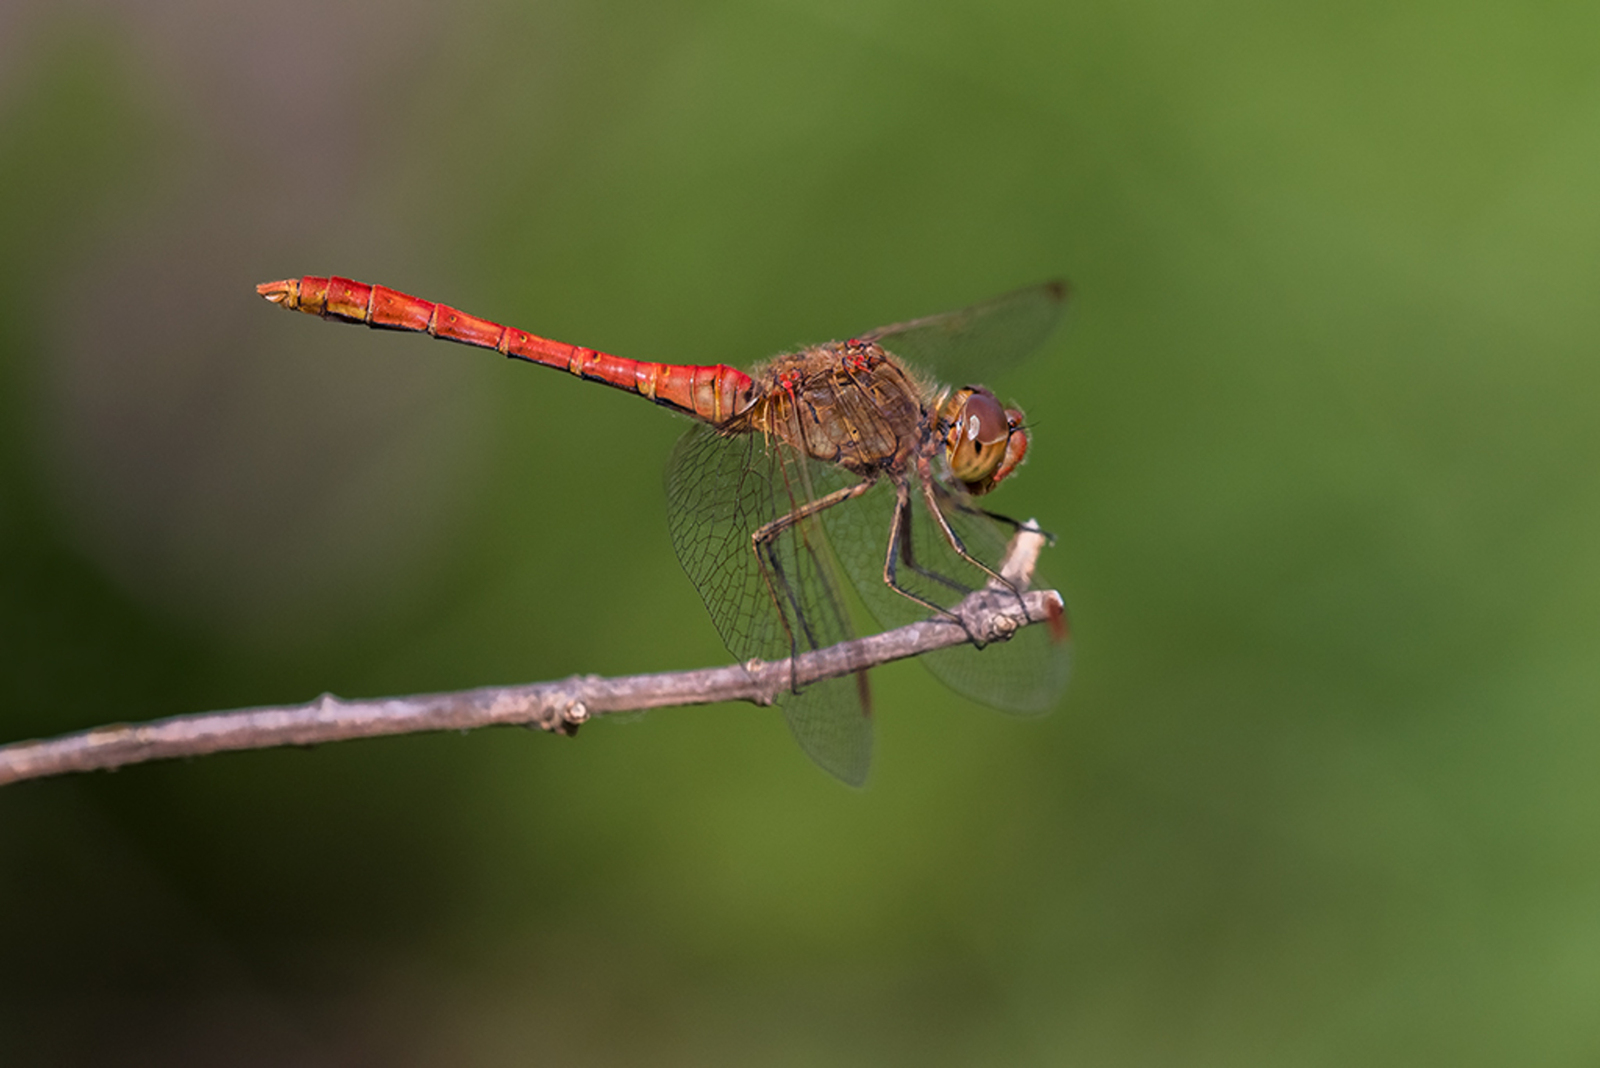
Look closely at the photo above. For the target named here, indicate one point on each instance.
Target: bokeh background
(1319, 443)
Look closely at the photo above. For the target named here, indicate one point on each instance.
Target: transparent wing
(782, 602)
(966, 346)
(1023, 675)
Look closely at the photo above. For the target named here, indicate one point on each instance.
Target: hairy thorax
(848, 403)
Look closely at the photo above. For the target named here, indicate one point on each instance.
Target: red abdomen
(711, 392)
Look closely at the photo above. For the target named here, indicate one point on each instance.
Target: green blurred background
(1319, 443)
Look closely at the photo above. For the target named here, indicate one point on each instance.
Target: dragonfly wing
(1023, 675)
(966, 346)
(787, 600)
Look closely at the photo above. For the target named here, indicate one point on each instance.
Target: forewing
(965, 347)
(1023, 675)
(720, 491)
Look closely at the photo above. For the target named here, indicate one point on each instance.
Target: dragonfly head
(985, 442)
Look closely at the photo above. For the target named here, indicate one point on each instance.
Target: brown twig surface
(990, 614)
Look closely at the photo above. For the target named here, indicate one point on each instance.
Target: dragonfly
(844, 465)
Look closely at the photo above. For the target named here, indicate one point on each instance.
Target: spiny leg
(952, 501)
(899, 542)
(1017, 526)
(768, 531)
(764, 542)
(929, 496)
(901, 531)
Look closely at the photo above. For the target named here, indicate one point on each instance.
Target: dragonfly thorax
(848, 403)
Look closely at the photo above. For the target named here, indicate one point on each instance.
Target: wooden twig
(990, 614)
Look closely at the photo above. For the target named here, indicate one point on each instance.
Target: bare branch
(987, 615)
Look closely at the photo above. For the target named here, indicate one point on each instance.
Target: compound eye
(978, 436)
(985, 421)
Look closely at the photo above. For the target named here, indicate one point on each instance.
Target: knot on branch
(572, 716)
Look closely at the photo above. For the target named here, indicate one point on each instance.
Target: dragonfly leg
(931, 575)
(768, 531)
(764, 542)
(932, 500)
(899, 551)
(900, 533)
(961, 506)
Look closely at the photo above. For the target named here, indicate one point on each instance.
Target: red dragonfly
(835, 464)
